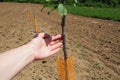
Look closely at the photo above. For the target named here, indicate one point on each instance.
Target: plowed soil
(94, 43)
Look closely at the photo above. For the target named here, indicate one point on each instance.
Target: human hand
(45, 45)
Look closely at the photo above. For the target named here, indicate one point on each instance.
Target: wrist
(34, 49)
(30, 49)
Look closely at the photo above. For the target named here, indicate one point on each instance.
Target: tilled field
(94, 43)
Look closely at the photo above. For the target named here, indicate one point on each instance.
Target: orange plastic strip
(36, 25)
(70, 69)
(61, 69)
(30, 15)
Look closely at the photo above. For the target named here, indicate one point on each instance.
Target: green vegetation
(90, 3)
(102, 40)
(80, 47)
(119, 52)
(104, 9)
(95, 12)
(104, 13)
(97, 65)
(24, 1)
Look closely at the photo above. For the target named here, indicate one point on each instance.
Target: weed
(105, 79)
(119, 52)
(102, 40)
(97, 65)
(80, 47)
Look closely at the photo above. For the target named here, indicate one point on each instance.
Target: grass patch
(102, 40)
(103, 13)
(119, 52)
(97, 65)
(95, 12)
(80, 47)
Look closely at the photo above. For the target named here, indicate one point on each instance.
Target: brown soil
(94, 43)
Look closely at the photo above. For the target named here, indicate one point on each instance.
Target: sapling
(65, 65)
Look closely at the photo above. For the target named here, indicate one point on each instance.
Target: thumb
(44, 35)
(39, 35)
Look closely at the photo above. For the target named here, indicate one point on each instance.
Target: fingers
(55, 46)
(55, 42)
(50, 40)
(45, 35)
(56, 37)
(54, 51)
(53, 38)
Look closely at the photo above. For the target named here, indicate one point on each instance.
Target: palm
(46, 45)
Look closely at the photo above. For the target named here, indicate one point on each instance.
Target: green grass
(102, 40)
(95, 12)
(80, 47)
(103, 13)
(97, 65)
(119, 52)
